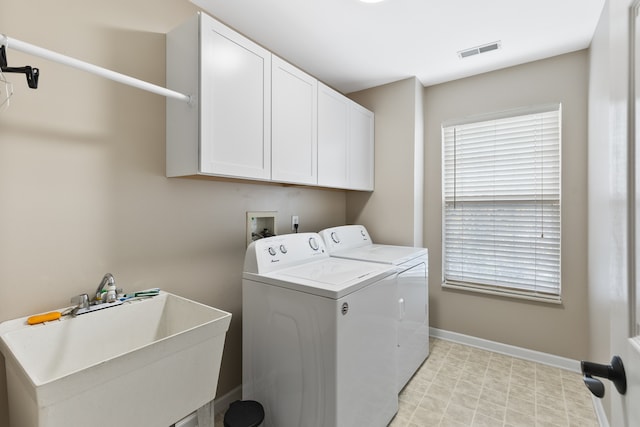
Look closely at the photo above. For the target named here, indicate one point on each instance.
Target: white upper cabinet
(361, 148)
(227, 132)
(255, 116)
(235, 79)
(294, 118)
(333, 138)
(345, 142)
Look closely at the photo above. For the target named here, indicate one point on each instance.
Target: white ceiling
(352, 45)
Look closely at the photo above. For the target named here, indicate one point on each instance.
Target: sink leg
(206, 415)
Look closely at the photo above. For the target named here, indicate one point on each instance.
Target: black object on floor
(244, 413)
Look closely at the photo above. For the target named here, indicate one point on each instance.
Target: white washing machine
(319, 335)
(353, 242)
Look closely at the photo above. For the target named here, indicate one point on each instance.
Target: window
(501, 203)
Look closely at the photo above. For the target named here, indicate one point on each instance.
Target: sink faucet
(106, 293)
(110, 283)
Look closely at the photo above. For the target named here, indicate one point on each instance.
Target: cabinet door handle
(614, 372)
(402, 308)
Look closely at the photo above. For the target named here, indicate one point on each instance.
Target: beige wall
(82, 185)
(393, 213)
(557, 329)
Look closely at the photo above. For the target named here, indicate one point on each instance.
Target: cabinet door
(235, 104)
(361, 148)
(294, 132)
(333, 137)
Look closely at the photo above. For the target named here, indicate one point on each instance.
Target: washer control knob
(363, 233)
(272, 251)
(313, 243)
(283, 249)
(334, 237)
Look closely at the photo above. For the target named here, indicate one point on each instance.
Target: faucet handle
(81, 301)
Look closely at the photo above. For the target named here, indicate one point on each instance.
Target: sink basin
(143, 363)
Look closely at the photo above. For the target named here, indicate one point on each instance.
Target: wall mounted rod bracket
(31, 73)
(85, 66)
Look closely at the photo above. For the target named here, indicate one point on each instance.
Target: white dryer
(319, 335)
(353, 242)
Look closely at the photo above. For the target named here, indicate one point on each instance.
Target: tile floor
(464, 386)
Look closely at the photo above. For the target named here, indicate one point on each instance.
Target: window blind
(501, 202)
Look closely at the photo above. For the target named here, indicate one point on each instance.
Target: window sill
(507, 293)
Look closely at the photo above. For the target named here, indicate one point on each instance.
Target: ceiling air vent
(479, 49)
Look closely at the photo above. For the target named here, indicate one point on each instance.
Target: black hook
(614, 372)
(31, 73)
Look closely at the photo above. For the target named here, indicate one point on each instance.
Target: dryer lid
(386, 254)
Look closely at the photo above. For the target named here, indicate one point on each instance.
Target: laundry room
(98, 177)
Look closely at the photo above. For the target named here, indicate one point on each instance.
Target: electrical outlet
(294, 222)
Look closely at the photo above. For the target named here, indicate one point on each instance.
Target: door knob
(613, 372)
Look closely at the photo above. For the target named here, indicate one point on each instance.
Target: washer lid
(330, 277)
(386, 254)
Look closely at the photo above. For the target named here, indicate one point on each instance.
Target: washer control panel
(273, 253)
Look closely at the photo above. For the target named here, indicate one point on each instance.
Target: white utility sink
(148, 362)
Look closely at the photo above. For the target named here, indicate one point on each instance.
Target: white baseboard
(509, 350)
(599, 409)
(221, 404)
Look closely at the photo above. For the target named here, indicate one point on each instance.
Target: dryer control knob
(283, 249)
(272, 251)
(313, 243)
(334, 237)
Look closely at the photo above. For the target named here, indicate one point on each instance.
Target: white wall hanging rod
(85, 66)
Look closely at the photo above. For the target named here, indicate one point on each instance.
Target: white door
(625, 306)
(614, 220)
(625, 322)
